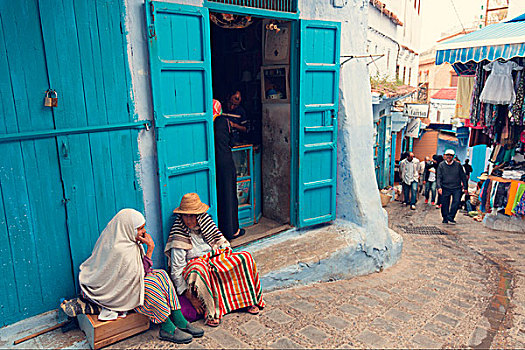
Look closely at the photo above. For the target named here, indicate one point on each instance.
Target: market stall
(490, 98)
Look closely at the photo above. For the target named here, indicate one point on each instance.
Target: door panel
(98, 169)
(180, 64)
(79, 50)
(318, 105)
(35, 246)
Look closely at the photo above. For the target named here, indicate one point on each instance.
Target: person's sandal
(177, 337)
(196, 332)
(214, 322)
(254, 310)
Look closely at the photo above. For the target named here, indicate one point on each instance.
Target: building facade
(133, 127)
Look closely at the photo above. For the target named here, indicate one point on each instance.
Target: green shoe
(195, 331)
(178, 336)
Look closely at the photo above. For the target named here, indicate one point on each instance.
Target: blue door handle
(65, 149)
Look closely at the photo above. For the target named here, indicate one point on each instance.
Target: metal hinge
(297, 43)
(151, 31)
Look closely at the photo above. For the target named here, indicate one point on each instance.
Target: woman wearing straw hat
(226, 176)
(204, 268)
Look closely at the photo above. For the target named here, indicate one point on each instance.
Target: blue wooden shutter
(318, 104)
(179, 46)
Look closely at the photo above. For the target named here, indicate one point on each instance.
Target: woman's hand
(197, 304)
(148, 241)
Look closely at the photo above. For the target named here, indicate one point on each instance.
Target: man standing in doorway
(451, 181)
(409, 168)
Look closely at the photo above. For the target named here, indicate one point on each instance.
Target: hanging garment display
(463, 96)
(499, 87)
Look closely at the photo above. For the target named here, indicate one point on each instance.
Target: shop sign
(416, 110)
(413, 128)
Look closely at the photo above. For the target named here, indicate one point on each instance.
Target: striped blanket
(225, 281)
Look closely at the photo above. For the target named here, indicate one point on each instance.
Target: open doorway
(251, 65)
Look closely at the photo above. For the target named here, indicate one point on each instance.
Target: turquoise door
(317, 135)
(179, 47)
(65, 171)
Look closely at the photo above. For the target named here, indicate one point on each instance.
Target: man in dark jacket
(451, 182)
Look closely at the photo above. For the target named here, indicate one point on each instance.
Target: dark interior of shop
(263, 153)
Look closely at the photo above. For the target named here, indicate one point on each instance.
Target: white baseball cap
(450, 151)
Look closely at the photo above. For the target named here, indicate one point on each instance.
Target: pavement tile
(379, 294)
(387, 325)
(278, 316)
(477, 336)
(350, 309)
(453, 311)
(303, 306)
(254, 329)
(446, 319)
(398, 314)
(409, 305)
(436, 329)
(367, 301)
(371, 339)
(442, 281)
(427, 293)
(314, 334)
(227, 340)
(285, 343)
(424, 342)
(336, 322)
(462, 304)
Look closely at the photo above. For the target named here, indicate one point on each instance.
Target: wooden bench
(104, 333)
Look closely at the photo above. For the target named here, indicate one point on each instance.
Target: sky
(438, 16)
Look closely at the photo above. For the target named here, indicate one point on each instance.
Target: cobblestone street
(462, 289)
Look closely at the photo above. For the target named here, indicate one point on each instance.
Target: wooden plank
(103, 333)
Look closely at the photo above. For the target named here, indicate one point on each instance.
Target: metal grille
(423, 230)
(274, 5)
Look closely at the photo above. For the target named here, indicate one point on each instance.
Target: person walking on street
(451, 182)
(409, 168)
(429, 180)
(468, 168)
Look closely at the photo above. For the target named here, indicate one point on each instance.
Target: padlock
(51, 101)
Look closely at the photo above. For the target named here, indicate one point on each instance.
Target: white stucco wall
(357, 197)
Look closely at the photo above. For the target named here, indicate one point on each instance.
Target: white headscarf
(113, 276)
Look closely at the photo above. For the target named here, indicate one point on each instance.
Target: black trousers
(448, 209)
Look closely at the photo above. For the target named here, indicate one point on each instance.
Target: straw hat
(483, 176)
(191, 204)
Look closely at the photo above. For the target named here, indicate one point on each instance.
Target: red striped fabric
(159, 297)
(225, 281)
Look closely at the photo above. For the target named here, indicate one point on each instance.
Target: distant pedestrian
(408, 169)
(429, 180)
(468, 169)
(438, 159)
(451, 182)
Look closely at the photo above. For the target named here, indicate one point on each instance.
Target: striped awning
(501, 40)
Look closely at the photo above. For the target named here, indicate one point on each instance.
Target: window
(454, 79)
(404, 74)
(397, 72)
(409, 75)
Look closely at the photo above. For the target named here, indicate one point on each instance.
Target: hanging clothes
(517, 198)
(499, 87)
(520, 208)
(512, 195)
(478, 137)
(463, 96)
(502, 194)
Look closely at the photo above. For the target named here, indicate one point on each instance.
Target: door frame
(294, 85)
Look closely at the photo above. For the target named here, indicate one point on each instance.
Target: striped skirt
(159, 297)
(225, 281)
